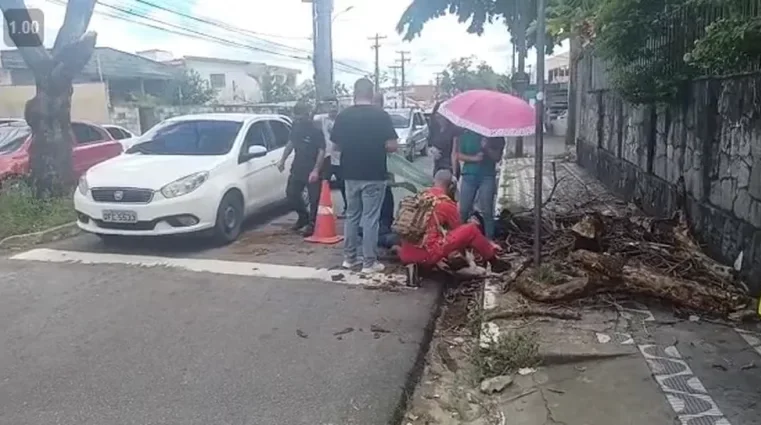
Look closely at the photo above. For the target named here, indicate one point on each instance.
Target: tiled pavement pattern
(710, 374)
(574, 185)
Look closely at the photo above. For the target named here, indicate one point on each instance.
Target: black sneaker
(308, 231)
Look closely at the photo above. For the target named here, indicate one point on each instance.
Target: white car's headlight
(184, 185)
(82, 185)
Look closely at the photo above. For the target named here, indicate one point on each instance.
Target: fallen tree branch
(530, 312)
(609, 274)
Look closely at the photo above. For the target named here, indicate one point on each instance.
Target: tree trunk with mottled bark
(48, 113)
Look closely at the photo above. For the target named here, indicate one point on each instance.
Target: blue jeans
(387, 238)
(485, 188)
(363, 207)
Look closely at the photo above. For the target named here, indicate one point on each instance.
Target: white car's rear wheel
(229, 218)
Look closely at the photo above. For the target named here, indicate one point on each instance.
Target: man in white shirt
(332, 164)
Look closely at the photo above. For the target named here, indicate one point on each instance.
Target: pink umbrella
(490, 113)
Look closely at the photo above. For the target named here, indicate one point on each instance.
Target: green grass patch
(21, 212)
(512, 351)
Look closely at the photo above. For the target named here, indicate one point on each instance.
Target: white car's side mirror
(256, 151)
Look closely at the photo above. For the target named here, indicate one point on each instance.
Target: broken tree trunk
(608, 274)
(48, 113)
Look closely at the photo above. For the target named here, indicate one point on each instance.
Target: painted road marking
(684, 391)
(237, 268)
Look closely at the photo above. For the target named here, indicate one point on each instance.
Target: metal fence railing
(682, 26)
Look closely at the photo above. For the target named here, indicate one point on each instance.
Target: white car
(187, 174)
(560, 124)
(412, 130)
(124, 136)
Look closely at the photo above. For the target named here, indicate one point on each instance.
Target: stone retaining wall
(709, 147)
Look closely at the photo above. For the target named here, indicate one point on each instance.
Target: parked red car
(93, 145)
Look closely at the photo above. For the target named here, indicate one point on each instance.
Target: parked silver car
(411, 127)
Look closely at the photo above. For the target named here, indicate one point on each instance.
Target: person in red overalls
(446, 234)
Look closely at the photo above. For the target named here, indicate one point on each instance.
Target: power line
(179, 30)
(213, 22)
(197, 33)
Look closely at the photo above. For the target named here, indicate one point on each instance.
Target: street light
(333, 19)
(335, 15)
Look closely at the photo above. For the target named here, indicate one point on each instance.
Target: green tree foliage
(190, 89)
(477, 13)
(340, 89)
(653, 49)
(275, 89)
(731, 43)
(465, 74)
(306, 91)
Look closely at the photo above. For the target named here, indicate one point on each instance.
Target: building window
(217, 81)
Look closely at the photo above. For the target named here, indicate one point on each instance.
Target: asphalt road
(118, 339)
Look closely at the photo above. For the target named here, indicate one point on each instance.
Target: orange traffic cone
(325, 224)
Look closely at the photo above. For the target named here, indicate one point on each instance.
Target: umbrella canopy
(490, 113)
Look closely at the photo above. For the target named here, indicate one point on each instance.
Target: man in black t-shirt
(364, 134)
(308, 141)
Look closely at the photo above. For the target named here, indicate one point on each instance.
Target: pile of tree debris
(592, 253)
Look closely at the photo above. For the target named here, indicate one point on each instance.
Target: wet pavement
(175, 331)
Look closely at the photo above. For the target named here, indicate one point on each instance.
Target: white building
(557, 68)
(236, 82)
(393, 100)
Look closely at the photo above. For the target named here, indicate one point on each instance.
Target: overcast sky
(284, 26)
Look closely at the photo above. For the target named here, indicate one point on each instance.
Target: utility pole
(402, 63)
(520, 79)
(395, 78)
(512, 59)
(376, 47)
(395, 81)
(438, 86)
(539, 133)
(322, 11)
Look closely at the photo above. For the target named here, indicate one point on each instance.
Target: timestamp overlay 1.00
(24, 27)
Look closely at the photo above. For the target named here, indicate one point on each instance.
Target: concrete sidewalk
(601, 362)
(553, 146)
(573, 187)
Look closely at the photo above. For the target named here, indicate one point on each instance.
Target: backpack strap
(437, 199)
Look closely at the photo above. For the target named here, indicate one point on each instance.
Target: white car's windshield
(399, 120)
(12, 137)
(192, 137)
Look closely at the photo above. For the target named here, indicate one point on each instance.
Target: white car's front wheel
(229, 218)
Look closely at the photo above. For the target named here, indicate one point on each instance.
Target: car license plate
(119, 216)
